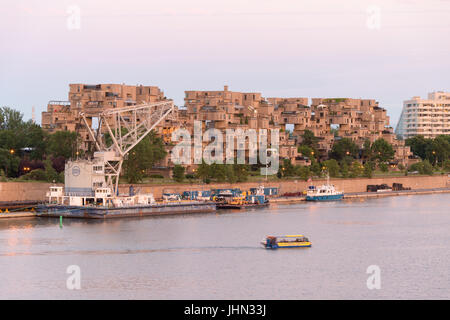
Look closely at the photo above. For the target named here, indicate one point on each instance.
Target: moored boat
(288, 241)
(326, 192)
(102, 204)
(230, 200)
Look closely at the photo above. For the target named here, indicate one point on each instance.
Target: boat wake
(124, 251)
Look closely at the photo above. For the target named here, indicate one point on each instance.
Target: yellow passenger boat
(289, 241)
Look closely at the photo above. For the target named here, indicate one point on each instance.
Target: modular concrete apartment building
(427, 117)
(356, 119)
(92, 100)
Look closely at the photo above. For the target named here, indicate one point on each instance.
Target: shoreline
(292, 200)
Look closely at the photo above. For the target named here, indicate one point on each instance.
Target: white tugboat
(326, 192)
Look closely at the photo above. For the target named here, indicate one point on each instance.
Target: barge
(102, 204)
(241, 206)
(98, 212)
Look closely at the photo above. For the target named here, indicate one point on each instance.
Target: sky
(383, 50)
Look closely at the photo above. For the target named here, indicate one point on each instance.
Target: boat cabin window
(293, 239)
(89, 201)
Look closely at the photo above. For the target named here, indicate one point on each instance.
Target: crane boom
(138, 121)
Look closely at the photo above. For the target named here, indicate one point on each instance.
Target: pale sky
(383, 50)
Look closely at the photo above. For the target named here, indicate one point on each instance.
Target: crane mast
(126, 126)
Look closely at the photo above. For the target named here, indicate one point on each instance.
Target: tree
(368, 171)
(230, 173)
(438, 150)
(62, 144)
(178, 173)
(241, 172)
(2, 176)
(382, 150)
(50, 173)
(9, 162)
(218, 172)
(344, 169)
(423, 167)
(287, 169)
(316, 169)
(356, 169)
(343, 148)
(307, 151)
(10, 119)
(203, 172)
(366, 153)
(20, 136)
(10, 141)
(446, 165)
(34, 139)
(309, 139)
(143, 156)
(332, 167)
(383, 167)
(419, 145)
(303, 172)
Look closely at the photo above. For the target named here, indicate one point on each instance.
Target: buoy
(60, 222)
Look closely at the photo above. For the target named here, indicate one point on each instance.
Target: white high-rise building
(427, 117)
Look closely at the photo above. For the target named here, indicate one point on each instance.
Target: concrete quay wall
(22, 191)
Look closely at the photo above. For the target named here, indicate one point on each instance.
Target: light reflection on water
(218, 256)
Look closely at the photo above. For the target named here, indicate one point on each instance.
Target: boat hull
(241, 206)
(287, 246)
(329, 197)
(85, 212)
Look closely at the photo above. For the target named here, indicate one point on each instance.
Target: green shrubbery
(178, 173)
(423, 167)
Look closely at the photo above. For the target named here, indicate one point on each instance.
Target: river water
(218, 256)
